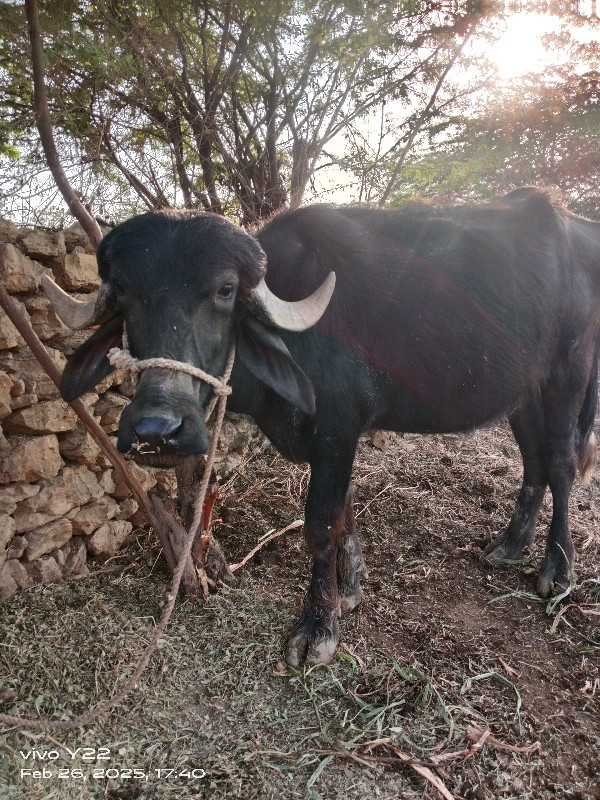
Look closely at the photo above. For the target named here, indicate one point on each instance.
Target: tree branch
(44, 126)
(422, 118)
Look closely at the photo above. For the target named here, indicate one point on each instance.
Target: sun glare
(519, 49)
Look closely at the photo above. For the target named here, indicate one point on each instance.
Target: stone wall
(60, 501)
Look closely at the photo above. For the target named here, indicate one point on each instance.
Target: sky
(519, 48)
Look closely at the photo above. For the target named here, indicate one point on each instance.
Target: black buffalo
(441, 320)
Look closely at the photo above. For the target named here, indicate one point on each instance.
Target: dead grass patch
(449, 666)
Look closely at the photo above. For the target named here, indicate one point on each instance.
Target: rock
(74, 486)
(43, 319)
(404, 443)
(45, 570)
(48, 537)
(238, 435)
(18, 388)
(88, 399)
(19, 574)
(17, 272)
(110, 380)
(22, 365)
(43, 245)
(9, 232)
(23, 401)
(108, 409)
(7, 531)
(106, 481)
(104, 462)
(11, 495)
(92, 515)
(9, 336)
(75, 554)
(380, 439)
(77, 445)
(71, 340)
(5, 398)
(105, 542)
(143, 476)
(3, 557)
(8, 586)
(75, 236)
(126, 508)
(32, 460)
(49, 416)
(17, 547)
(138, 519)
(167, 479)
(78, 273)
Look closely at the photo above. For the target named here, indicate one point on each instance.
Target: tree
(217, 104)
(548, 135)
(541, 129)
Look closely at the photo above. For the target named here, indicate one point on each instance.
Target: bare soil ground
(443, 646)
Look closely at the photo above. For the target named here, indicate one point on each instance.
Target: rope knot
(224, 390)
(122, 359)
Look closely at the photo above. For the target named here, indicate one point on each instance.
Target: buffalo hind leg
(351, 567)
(527, 424)
(562, 404)
(315, 635)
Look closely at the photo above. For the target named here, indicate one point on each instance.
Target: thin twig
(476, 734)
(425, 772)
(292, 526)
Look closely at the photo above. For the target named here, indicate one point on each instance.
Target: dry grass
(443, 650)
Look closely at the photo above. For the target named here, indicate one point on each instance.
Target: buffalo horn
(78, 314)
(290, 316)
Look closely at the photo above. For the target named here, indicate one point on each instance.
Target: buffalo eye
(226, 291)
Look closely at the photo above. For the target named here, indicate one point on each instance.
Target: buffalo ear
(89, 363)
(265, 355)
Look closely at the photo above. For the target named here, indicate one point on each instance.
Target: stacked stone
(60, 500)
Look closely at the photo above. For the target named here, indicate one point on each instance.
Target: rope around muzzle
(121, 358)
(124, 360)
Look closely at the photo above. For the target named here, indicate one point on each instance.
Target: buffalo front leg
(315, 635)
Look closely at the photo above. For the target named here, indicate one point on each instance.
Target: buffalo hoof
(349, 601)
(505, 548)
(553, 580)
(556, 573)
(313, 640)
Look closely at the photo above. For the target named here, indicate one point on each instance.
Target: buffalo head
(188, 286)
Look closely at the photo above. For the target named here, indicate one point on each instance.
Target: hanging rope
(222, 390)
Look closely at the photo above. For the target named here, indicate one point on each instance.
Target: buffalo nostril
(154, 432)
